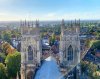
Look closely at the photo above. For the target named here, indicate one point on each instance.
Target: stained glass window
(70, 53)
(30, 53)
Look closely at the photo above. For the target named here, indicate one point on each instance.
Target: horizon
(51, 20)
(48, 10)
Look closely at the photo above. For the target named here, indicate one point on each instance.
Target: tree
(7, 37)
(91, 30)
(53, 38)
(2, 71)
(15, 33)
(91, 69)
(96, 44)
(96, 75)
(13, 63)
(87, 43)
(7, 48)
(98, 35)
(2, 57)
(83, 66)
(88, 67)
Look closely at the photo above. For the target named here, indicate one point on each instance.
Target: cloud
(80, 15)
(50, 14)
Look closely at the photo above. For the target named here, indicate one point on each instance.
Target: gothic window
(30, 53)
(70, 53)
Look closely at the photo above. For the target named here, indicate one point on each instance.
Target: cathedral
(70, 45)
(30, 49)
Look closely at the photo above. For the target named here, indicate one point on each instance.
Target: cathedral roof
(49, 70)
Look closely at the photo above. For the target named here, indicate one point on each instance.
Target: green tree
(96, 75)
(2, 71)
(96, 44)
(91, 69)
(13, 63)
(2, 56)
(83, 66)
(7, 37)
(87, 43)
(15, 33)
(53, 38)
(98, 35)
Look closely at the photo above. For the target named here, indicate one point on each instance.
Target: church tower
(70, 45)
(30, 49)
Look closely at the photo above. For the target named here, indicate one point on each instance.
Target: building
(69, 46)
(30, 49)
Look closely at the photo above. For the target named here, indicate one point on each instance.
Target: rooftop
(49, 70)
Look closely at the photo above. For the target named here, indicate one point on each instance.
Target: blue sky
(49, 9)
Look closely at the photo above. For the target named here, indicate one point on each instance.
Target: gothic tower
(30, 49)
(70, 45)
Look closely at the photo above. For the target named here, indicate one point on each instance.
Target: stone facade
(30, 49)
(70, 45)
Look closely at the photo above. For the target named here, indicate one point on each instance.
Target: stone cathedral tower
(30, 49)
(70, 45)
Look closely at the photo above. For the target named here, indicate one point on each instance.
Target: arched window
(65, 55)
(30, 53)
(70, 53)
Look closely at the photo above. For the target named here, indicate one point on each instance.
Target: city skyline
(12, 10)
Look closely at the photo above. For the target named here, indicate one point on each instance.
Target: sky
(14, 10)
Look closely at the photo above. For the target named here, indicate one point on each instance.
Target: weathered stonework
(69, 43)
(30, 58)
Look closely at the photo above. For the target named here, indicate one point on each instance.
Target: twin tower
(31, 48)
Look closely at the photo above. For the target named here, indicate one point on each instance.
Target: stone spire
(74, 25)
(78, 26)
(29, 28)
(25, 24)
(37, 27)
(71, 26)
(21, 27)
(28, 24)
(37, 23)
(62, 26)
(32, 24)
